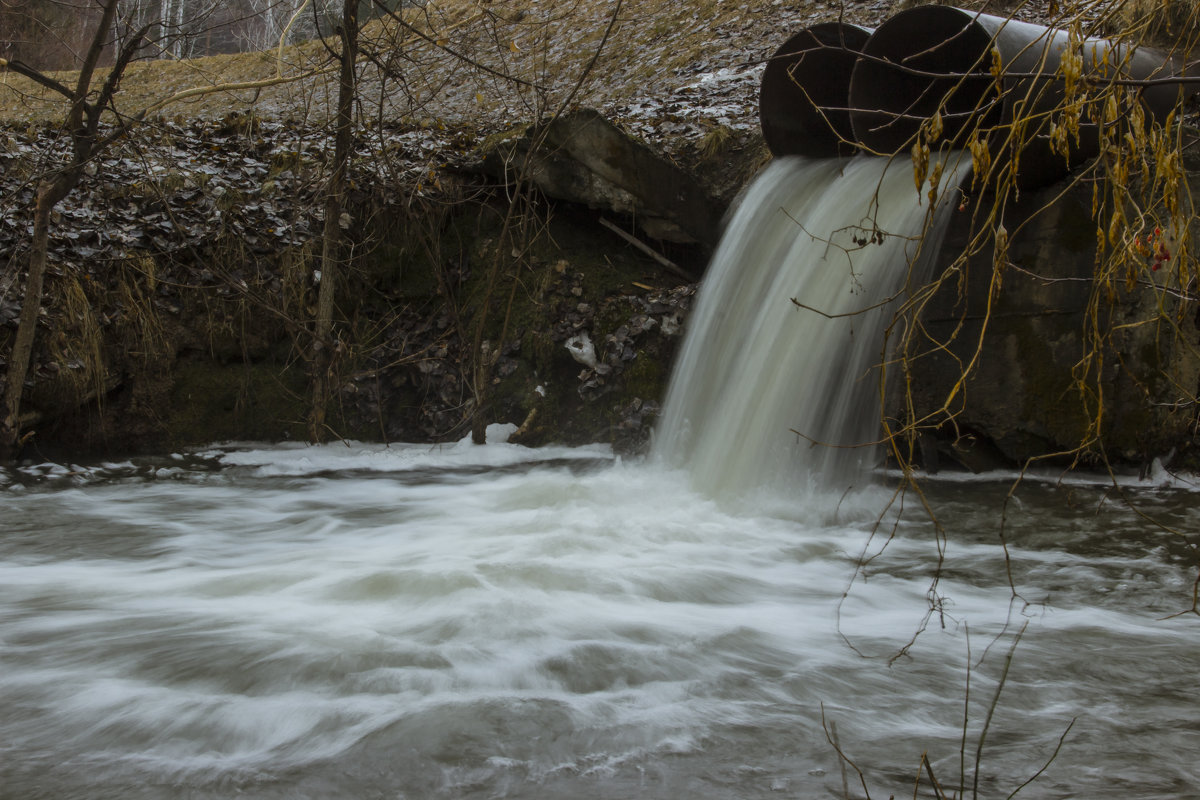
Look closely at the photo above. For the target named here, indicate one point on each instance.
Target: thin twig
(937, 787)
(1049, 761)
(987, 721)
(841, 762)
(666, 263)
(845, 758)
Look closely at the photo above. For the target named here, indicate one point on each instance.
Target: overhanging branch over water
(951, 75)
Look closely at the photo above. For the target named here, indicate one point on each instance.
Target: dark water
(469, 622)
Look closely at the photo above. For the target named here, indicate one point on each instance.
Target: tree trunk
(48, 196)
(82, 121)
(324, 347)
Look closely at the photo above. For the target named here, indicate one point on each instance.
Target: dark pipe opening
(912, 67)
(805, 89)
(835, 87)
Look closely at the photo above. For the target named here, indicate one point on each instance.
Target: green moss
(284, 161)
(1076, 229)
(212, 402)
(229, 199)
(501, 138)
(398, 269)
(1149, 369)
(1052, 398)
(646, 378)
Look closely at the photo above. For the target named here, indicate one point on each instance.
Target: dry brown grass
(447, 65)
(654, 47)
(1174, 24)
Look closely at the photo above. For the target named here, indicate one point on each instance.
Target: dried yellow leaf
(1114, 227)
(920, 159)
(1110, 110)
(935, 127)
(935, 180)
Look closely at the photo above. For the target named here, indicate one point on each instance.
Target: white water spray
(766, 393)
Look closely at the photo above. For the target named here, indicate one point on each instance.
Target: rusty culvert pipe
(940, 57)
(803, 101)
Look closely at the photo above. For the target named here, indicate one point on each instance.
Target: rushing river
(354, 621)
(477, 622)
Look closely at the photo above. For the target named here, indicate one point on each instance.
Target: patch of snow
(713, 80)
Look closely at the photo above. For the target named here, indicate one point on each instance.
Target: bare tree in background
(176, 26)
(325, 349)
(45, 35)
(54, 34)
(273, 22)
(269, 21)
(83, 126)
(88, 139)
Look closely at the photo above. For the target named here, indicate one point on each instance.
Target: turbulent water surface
(481, 622)
(361, 621)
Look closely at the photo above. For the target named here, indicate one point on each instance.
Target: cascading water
(766, 393)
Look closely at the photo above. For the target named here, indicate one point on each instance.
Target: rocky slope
(184, 267)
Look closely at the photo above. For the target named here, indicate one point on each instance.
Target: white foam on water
(550, 626)
(462, 621)
(303, 459)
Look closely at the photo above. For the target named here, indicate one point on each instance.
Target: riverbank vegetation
(353, 236)
(191, 243)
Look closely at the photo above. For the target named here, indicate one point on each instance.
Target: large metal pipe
(803, 100)
(931, 59)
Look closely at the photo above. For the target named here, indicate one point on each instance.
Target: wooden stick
(667, 263)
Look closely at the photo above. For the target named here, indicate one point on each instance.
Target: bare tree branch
(36, 76)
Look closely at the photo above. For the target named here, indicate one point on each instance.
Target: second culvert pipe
(803, 101)
(939, 58)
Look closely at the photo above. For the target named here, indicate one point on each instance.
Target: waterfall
(767, 393)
